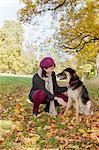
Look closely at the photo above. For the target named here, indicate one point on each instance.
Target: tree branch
(78, 44)
(53, 9)
(80, 34)
(93, 61)
(83, 45)
(86, 42)
(60, 5)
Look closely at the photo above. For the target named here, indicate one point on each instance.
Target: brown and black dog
(77, 92)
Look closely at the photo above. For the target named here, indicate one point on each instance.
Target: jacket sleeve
(57, 88)
(40, 85)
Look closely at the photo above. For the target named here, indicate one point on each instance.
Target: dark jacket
(38, 83)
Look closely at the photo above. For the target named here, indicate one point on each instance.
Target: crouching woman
(45, 89)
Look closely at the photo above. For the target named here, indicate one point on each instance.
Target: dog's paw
(91, 113)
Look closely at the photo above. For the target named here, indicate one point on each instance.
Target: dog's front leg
(68, 105)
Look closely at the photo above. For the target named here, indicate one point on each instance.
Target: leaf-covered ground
(19, 130)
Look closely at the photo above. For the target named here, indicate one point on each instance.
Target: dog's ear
(74, 74)
(73, 71)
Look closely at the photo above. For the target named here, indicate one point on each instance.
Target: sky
(37, 34)
(8, 10)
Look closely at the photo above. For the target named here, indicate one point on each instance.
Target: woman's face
(49, 70)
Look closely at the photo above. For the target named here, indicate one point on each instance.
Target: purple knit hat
(47, 62)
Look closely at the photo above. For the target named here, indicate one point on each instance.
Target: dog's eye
(64, 73)
(58, 75)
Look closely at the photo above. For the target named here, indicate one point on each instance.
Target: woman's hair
(43, 73)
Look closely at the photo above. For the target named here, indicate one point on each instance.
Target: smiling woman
(45, 89)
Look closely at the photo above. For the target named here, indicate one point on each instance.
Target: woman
(45, 89)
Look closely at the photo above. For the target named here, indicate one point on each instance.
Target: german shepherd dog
(77, 92)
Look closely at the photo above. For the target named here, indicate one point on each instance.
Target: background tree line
(13, 59)
(77, 35)
(18, 56)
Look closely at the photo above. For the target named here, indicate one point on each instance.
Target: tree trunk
(97, 64)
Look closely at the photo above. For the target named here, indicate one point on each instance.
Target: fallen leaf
(82, 131)
(47, 127)
(6, 124)
(31, 140)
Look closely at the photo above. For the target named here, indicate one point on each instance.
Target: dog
(77, 92)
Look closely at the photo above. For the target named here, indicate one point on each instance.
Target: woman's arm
(39, 84)
(58, 89)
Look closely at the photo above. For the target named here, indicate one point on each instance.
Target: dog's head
(66, 74)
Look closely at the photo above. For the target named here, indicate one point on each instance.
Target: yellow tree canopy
(79, 24)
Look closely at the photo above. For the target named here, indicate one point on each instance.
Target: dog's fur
(77, 92)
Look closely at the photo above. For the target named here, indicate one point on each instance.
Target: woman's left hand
(61, 102)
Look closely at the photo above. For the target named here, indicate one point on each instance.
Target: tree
(82, 35)
(12, 60)
(97, 64)
(79, 25)
(11, 38)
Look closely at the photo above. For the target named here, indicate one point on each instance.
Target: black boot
(56, 103)
(36, 113)
(46, 109)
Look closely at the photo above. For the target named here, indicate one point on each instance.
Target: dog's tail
(84, 95)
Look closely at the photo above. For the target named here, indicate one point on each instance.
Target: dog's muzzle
(61, 76)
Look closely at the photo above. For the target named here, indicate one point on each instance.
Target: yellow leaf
(82, 131)
(18, 128)
(5, 124)
(39, 128)
(47, 127)
(93, 130)
(49, 134)
(33, 140)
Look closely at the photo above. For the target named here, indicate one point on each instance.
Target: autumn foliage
(20, 130)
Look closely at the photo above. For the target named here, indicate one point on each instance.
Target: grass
(44, 132)
(11, 84)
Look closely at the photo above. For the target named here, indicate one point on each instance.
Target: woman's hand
(65, 93)
(60, 101)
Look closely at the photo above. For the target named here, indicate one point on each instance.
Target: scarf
(49, 87)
